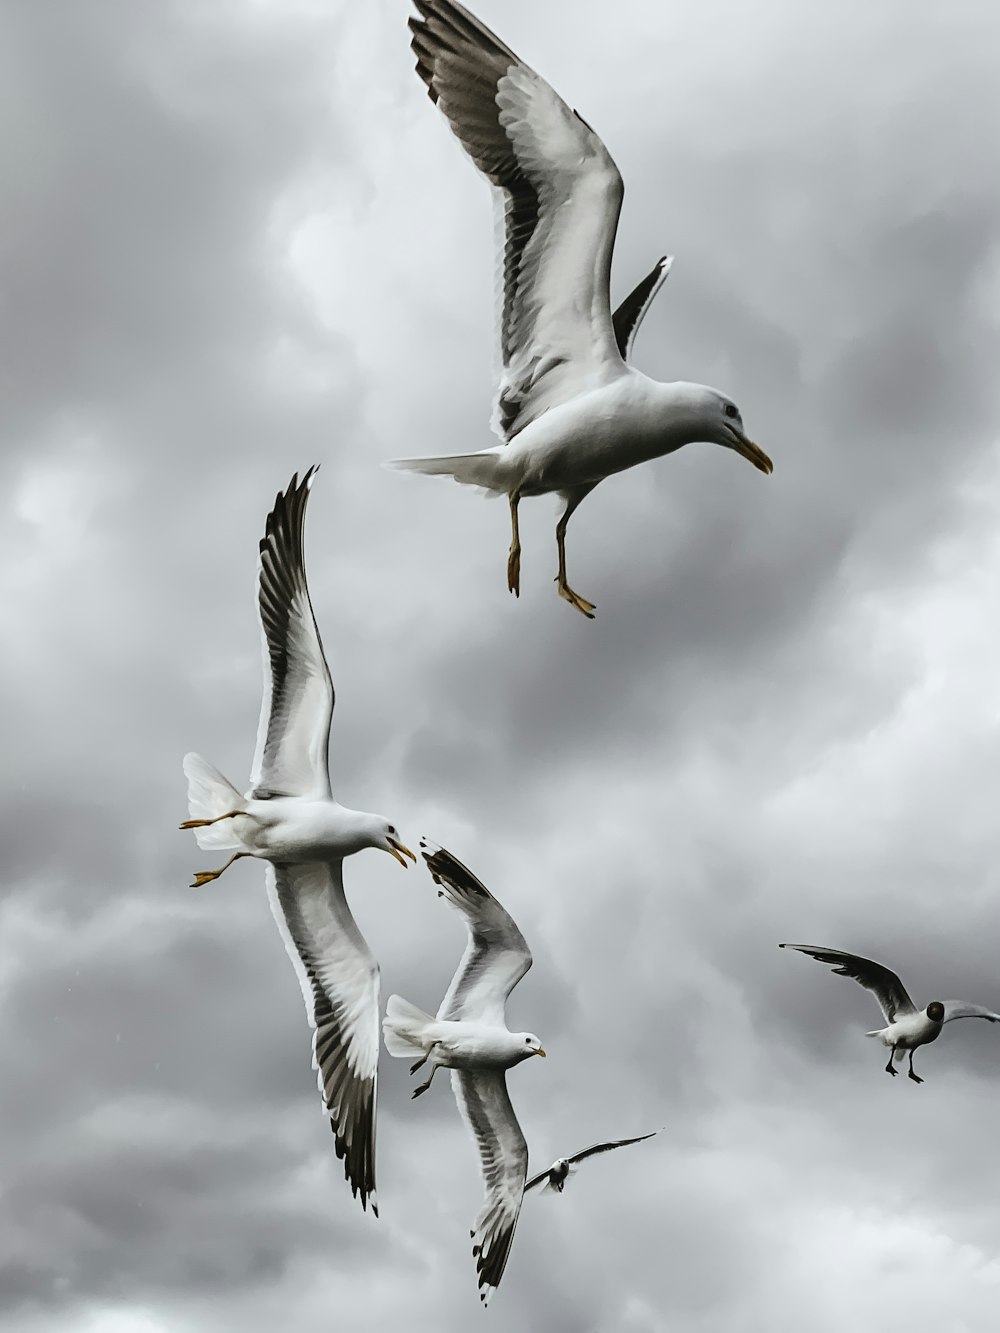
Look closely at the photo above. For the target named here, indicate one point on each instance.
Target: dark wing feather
(496, 956)
(294, 731)
(340, 985)
(884, 984)
(632, 310)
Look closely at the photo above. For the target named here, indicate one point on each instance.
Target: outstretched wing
(959, 1009)
(595, 1148)
(558, 195)
(340, 985)
(884, 984)
(588, 1152)
(632, 310)
(503, 1154)
(294, 730)
(496, 956)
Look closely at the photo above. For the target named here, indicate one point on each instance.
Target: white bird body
(297, 829)
(569, 408)
(579, 443)
(290, 819)
(468, 1045)
(909, 1031)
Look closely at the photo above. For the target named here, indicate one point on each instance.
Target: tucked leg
(418, 1064)
(206, 876)
(204, 823)
(889, 1069)
(514, 555)
(572, 499)
(916, 1077)
(419, 1091)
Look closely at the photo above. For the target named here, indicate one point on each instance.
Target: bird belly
(581, 442)
(915, 1030)
(472, 1046)
(294, 831)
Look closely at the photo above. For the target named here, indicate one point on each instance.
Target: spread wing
(632, 310)
(558, 195)
(885, 985)
(959, 1009)
(496, 956)
(294, 730)
(340, 985)
(485, 1106)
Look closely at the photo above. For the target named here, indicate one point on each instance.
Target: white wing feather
(339, 978)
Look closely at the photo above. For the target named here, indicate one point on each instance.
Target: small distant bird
(290, 819)
(470, 1037)
(907, 1027)
(554, 1177)
(570, 410)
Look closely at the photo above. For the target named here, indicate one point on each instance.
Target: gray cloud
(236, 240)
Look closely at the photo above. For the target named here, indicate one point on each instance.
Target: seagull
(570, 410)
(290, 819)
(907, 1027)
(470, 1037)
(555, 1175)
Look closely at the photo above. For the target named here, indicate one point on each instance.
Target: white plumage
(470, 1037)
(290, 819)
(569, 409)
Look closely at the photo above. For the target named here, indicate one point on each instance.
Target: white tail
(403, 1027)
(210, 795)
(467, 469)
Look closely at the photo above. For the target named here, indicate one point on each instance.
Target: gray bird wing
(557, 194)
(496, 956)
(959, 1009)
(339, 978)
(294, 730)
(503, 1154)
(884, 984)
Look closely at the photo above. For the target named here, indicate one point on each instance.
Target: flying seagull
(290, 819)
(470, 1037)
(555, 1175)
(907, 1027)
(569, 411)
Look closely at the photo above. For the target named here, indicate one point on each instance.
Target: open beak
(400, 852)
(540, 1052)
(752, 452)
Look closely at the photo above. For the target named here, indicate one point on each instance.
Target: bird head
(386, 838)
(527, 1045)
(717, 419)
(935, 1011)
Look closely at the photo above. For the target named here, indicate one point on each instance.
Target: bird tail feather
(403, 1027)
(478, 469)
(210, 795)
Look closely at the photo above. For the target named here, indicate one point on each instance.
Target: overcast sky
(236, 239)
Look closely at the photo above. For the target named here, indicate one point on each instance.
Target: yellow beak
(397, 850)
(753, 453)
(540, 1052)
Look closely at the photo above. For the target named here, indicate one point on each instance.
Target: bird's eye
(391, 829)
(730, 410)
(527, 1041)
